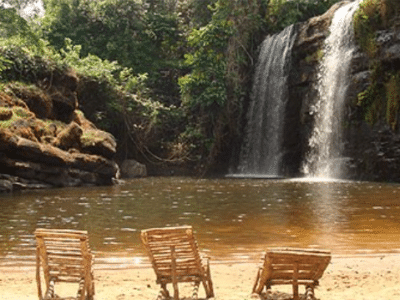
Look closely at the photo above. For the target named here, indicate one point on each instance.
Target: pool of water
(234, 219)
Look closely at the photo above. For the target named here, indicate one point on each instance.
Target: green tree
(141, 36)
(13, 27)
(25, 8)
(104, 28)
(282, 13)
(194, 13)
(220, 57)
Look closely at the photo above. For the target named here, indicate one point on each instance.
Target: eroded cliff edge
(46, 141)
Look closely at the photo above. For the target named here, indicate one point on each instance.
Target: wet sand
(346, 278)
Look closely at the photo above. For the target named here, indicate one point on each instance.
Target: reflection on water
(233, 218)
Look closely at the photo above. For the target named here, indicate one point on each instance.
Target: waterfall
(261, 152)
(324, 158)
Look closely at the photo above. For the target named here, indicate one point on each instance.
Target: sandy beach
(346, 278)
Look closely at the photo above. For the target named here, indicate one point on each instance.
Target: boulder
(64, 103)
(42, 165)
(132, 169)
(69, 137)
(98, 142)
(79, 170)
(10, 183)
(35, 100)
(5, 114)
(61, 90)
(67, 79)
(80, 119)
(46, 142)
(5, 186)
(95, 164)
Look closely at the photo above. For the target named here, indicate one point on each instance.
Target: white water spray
(261, 153)
(324, 159)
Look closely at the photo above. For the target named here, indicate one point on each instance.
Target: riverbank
(346, 278)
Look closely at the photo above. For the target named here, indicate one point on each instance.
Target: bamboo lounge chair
(175, 257)
(64, 256)
(292, 266)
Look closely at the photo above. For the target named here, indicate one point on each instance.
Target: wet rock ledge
(45, 140)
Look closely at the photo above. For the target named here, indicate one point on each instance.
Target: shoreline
(355, 277)
(106, 262)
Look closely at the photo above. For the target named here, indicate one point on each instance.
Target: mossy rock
(80, 119)
(19, 122)
(69, 137)
(98, 142)
(393, 100)
(6, 100)
(34, 97)
(5, 114)
(22, 122)
(13, 115)
(64, 103)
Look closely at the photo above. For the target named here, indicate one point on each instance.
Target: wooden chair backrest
(64, 254)
(283, 266)
(163, 243)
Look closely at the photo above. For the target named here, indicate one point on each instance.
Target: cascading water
(261, 153)
(324, 159)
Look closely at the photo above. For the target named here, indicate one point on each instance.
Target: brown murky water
(234, 219)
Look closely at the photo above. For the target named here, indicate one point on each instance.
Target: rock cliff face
(306, 55)
(371, 151)
(45, 141)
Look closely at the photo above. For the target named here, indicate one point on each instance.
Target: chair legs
(208, 287)
(207, 282)
(195, 294)
(90, 292)
(84, 293)
(295, 291)
(50, 290)
(310, 293)
(81, 291)
(163, 294)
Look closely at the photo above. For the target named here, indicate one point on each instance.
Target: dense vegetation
(381, 100)
(169, 78)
